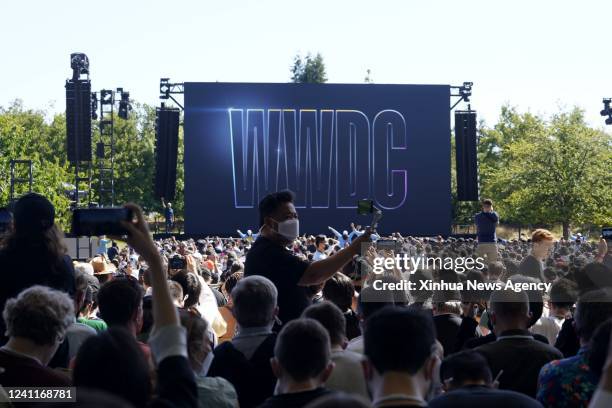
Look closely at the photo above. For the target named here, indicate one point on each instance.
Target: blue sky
(538, 55)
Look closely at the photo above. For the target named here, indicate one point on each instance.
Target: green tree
(309, 69)
(24, 134)
(548, 173)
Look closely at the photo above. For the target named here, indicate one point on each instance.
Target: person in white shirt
(347, 375)
(563, 293)
(320, 252)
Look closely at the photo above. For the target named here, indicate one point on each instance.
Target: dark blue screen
(331, 144)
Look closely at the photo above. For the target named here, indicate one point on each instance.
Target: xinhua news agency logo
(330, 158)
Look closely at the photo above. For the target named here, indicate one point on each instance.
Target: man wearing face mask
(269, 256)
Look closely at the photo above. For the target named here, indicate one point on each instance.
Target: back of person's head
(592, 276)
(399, 339)
(371, 300)
(91, 398)
(237, 266)
(536, 299)
(339, 400)
(34, 231)
(112, 361)
(320, 239)
(508, 306)
(487, 202)
(465, 368)
(255, 301)
(332, 318)
(339, 290)
(81, 280)
(191, 287)
(39, 314)
(84, 267)
(541, 234)
(120, 300)
(593, 308)
(197, 339)
(563, 293)
(232, 281)
(271, 203)
(302, 351)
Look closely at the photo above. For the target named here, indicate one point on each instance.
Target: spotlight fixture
(79, 64)
(124, 104)
(465, 91)
(607, 110)
(94, 106)
(106, 95)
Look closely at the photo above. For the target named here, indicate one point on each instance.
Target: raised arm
(242, 235)
(139, 238)
(336, 233)
(320, 271)
(168, 340)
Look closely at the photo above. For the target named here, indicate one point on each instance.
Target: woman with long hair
(33, 252)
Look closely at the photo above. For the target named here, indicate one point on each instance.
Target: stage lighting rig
(79, 64)
(94, 106)
(466, 91)
(106, 96)
(124, 104)
(463, 92)
(167, 89)
(607, 110)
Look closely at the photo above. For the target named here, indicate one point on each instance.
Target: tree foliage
(538, 172)
(547, 172)
(25, 134)
(308, 70)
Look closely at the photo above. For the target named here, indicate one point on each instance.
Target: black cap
(33, 212)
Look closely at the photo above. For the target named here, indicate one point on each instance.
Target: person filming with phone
(270, 258)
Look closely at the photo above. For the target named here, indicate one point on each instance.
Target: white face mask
(290, 229)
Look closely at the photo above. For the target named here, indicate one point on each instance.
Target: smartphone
(91, 222)
(365, 207)
(606, 233)
(386, 244)
(177, 262)
(5, 220)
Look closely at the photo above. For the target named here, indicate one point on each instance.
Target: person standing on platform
(270, 258)
(486, 222)
(168, 214)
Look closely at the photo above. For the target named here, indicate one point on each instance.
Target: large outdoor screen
(331, 144)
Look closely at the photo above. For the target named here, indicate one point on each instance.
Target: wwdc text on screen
(331, 144)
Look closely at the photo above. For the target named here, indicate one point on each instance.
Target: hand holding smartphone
(90, 222)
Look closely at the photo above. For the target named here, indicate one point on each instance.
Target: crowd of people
(279, 319)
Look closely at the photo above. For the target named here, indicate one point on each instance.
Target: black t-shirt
(294, 400)
(268, 259)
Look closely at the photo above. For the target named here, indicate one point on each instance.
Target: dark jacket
(521, 357)
(447, 329)
(481, 396)
(486, 222)
(252, 378)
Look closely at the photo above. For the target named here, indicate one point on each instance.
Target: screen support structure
(167, 89)
(463, 92)
(18, 168)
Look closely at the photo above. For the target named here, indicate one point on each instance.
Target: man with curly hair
(36, 322)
